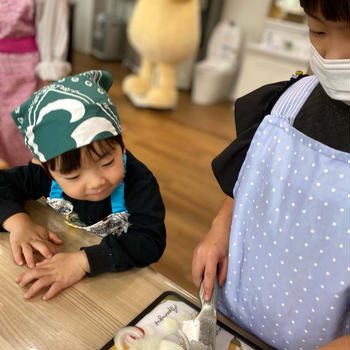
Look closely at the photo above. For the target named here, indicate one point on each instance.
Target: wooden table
(84, 316)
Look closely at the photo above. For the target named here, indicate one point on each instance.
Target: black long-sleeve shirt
(321, 118)
(141, 245)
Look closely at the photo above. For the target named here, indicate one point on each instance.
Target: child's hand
(212, 251)
(59, 272)
(26, 237)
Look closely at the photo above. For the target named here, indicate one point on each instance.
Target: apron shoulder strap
(291, 101)
(56, 191)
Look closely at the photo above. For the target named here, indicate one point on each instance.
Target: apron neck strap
(291, 101)
(117, 196)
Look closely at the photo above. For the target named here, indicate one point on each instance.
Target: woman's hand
(26, 237)
(212, 251)
(59, 272)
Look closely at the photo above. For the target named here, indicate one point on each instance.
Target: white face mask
(334, 75)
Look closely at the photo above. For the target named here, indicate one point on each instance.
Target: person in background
(33, 49)
(86, 173)
(280, 242)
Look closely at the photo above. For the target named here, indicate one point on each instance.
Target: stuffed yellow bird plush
(164, 33)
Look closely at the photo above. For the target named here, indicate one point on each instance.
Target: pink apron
(18, 59)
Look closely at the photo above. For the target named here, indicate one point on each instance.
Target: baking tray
(172, 304)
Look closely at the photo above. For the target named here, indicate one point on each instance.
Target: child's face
(331, 39)
(97, 177)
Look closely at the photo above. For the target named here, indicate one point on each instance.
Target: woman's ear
(3, 164)
(36, 161)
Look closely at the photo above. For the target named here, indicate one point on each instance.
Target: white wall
(83, 25)
(249, 14)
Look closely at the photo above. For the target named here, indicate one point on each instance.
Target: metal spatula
(201, 331)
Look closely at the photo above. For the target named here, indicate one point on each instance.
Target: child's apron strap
(291, 101)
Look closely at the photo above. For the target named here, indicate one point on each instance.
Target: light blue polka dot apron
(289, 256)
(115, 223)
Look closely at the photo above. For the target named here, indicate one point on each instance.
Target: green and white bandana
(68, 114)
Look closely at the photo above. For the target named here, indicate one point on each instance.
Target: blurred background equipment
(283, 49)
(109, 35)
(215, 76)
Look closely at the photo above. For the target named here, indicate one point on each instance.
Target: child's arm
(26, 236)
(59, 272)
(212, 252)
(17, 185)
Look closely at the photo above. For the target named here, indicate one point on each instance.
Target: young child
(33, 48)
(281, 246)
(72, 128)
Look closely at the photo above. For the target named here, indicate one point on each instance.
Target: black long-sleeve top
(141, 245)
(321, 118)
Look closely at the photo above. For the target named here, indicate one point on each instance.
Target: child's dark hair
(71, 160)
(332, 10)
